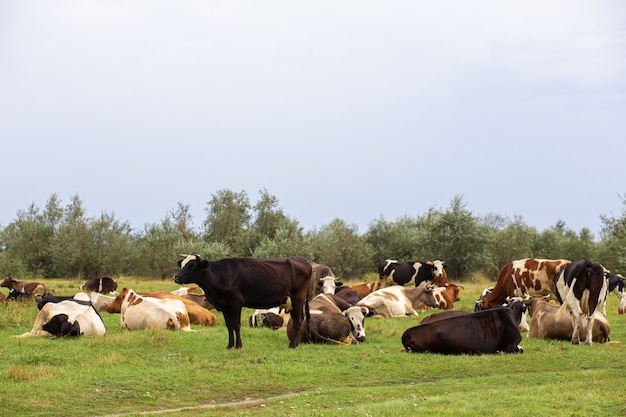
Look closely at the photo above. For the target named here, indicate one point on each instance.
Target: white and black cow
(392, 272)
(615, 284)
(581, 288)
(68, 318)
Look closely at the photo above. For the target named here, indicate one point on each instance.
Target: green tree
(339, 246)
(459, 240)
(228, 221)
(509, 239)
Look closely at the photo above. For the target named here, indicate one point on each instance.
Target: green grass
(192, 374)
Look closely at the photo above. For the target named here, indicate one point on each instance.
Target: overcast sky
(341, 109)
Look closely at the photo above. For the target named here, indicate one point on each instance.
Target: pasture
(192, 374)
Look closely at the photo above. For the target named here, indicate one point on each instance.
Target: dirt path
(246, 401)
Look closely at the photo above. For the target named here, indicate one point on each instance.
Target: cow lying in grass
(332, 320)
(544, 325)
(73, 317)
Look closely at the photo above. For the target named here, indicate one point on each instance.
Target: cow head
(189, 268)
(356, 315)
(8, 282)
(59, 326)
(327, 284)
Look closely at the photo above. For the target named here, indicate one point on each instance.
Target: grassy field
(193, 374)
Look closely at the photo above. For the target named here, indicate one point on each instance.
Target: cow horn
(183, 255)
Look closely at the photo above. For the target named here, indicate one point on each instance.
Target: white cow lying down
(398, 301)
(67, 318)
(139, 312)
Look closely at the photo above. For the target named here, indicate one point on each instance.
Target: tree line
(61, 241)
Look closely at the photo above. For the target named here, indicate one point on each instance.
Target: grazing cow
(364, 288)
(323, 280)
(234, 283)
(67, 318)
(393, 272)
(23, 289)
(523, 278)
(331, 321)
(489, 331)
(103, 285)
(544, 325)
(139, 312)
(581, 287)
(398, 301)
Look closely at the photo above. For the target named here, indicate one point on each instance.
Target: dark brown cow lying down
(543, 323)
(489, 331)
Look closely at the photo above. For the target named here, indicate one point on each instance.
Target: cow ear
(338, 284)
(366, 311)
(204, 264)
(180, 261)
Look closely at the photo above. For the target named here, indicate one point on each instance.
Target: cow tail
(563, 307)
(307, 315)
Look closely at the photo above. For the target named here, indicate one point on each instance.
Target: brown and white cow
(392, 272)
(544, 325)
(139, 312)
(23, 289)
(197, 314)
(104, 285)
(332, 320)
(364, 288)
(233, 283)
(446, 296)
(581, 288)
(398, 301)
(323, 280)
(523, 278)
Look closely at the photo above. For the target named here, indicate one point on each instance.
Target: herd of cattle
(308, 302)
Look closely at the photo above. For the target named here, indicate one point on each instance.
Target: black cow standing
(233, 283)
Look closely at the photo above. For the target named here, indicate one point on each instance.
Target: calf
(489, 331)
(581, 288)
(331, 321)
(274, 318)
(139, 312)
(67, 318)
(544, 324)
(398, 301)
(105, 285)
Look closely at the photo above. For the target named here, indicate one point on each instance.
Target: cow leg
(297, 317)
(232, 319)
(589, 338)
(576, 324)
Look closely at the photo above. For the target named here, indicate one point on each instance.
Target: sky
(357, 110)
